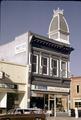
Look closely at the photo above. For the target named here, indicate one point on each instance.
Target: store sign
(49, 88)
(9, 86)
(20, 48)
(57, 89)
(36, 94)
(39, 87)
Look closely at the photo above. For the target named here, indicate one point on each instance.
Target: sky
(18, 17)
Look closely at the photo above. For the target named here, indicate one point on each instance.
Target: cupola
(58, 28)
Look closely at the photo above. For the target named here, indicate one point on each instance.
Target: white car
(25, 111)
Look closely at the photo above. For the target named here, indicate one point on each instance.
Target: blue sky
(18, 17)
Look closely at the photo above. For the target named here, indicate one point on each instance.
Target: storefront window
(77, 104)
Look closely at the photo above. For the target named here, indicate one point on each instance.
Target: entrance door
(11, 97)
(52, 106)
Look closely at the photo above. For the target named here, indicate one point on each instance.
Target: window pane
(45, 61)
(79, 104)
(34, 67)
(44, 65)
(77, 88)
(63, 67)
(34, 63)
(34, 59)
(54, 71)
(55, 63)
(44, 70)
(76, 104)
(54, 67)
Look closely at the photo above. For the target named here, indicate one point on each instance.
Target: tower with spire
(58, 28)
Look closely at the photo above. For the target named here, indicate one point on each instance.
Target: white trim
(77, 100)
(1, 74)
(50, 66)
(40, 68)
(29, 58)
(47, 66)
(57, 68)
(58, 89)
(60, 68)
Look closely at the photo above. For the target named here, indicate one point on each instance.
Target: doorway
(11, 98)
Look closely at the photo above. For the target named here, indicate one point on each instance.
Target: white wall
(24, 98)
(8, 51)
(3, 100)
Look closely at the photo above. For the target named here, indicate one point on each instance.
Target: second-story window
(64, 69)
(54, 67)
(77, 88)
(35, 64)
(44, 66)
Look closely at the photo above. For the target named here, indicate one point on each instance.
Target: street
(63, 118)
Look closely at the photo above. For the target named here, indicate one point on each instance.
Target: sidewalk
(63, 118)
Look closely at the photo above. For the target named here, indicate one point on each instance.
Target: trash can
(79, 112)
(72, 112)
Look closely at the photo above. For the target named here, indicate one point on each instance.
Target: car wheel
(7, 119)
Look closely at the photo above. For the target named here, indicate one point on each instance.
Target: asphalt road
(63, 118)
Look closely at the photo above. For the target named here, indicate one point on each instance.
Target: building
(75, 92)
(47, 64)
(13, 85)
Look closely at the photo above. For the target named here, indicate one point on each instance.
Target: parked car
(24, 114)
(24, 111)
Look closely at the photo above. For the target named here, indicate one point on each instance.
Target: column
(68, 103)
(48, 102)
(55, 105)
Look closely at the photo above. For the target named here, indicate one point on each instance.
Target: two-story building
(75, 92)
(46, 79)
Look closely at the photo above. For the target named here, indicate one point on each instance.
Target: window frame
(53, 67)
(78, 89)
(65, 70)
(77, 104)
(47, 65)
(36, 64)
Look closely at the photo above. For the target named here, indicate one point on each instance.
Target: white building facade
(47, 58)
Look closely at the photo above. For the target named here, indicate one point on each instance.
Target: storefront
(13, 86)
(50, 98)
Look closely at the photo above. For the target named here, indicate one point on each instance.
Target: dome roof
(54, 24)
(63, 24)
(58, 28)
